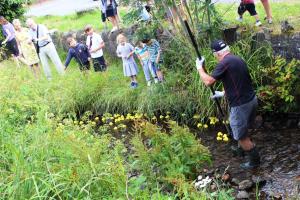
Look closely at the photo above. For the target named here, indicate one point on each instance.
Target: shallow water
(280, 157)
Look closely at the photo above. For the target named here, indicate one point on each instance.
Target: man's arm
(207, 79)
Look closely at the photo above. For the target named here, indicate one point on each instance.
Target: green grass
(46, 154)
(280, 10)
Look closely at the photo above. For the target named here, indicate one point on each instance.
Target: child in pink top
(248, 5)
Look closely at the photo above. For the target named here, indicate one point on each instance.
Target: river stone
(235, 181)
(242, 195)
(245, 185)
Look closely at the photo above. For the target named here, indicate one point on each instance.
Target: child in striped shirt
(155, 56)
(141, 50)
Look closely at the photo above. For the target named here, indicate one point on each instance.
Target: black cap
(218, 45)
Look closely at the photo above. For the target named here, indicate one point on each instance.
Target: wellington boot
(237, 151)
(254, 159)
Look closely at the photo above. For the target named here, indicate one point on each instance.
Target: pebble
(245, 185)
(242, 195)
(225, 177)
(235, 181)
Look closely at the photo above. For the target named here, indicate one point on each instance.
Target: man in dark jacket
(234, 74)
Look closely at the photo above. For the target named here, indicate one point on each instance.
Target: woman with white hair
(28, 53)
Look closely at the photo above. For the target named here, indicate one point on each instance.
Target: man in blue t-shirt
(234, 74)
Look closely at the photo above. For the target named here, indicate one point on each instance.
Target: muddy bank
(278, 175)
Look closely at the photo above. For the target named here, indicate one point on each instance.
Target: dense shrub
(12, 9)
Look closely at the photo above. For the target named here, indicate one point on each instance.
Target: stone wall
(286, 45)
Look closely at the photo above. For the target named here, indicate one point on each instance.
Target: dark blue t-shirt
(234, 74)
(80, 52)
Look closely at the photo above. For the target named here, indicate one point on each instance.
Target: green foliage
(168, 158)
(48, 153)
(280, 88)
(12, 9)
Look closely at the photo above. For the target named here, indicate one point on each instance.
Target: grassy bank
(48, 153)
(285, 10)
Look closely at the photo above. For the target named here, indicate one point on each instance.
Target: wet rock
(275, 196)
(213, 187)
(286, 27)
(242, 195)
(225, 177)
(268, 125)
(235, 181)
(245, 185)
(258, 122)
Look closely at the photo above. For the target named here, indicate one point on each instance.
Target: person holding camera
(45, 47)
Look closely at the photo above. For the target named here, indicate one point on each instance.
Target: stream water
(280, 162)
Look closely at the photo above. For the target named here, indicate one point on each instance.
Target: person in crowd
(10, 41)
(39, 34)
(80, 52)
(155, 56)
(110, 11)
(27, 49)
(248, 5)
(268, 11)
(125, 51)
(234, 74)
(95, 45)
(145, 13)
(141, 50)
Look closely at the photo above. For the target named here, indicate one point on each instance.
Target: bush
(168, 159)
(12, 9)
(281, 80)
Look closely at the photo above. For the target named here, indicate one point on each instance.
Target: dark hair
(3, 19)
(69, 39)
(87, 28)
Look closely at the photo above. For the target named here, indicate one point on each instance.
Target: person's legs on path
(45, 64)
(241, 10)
(53, 55)
(268, 11)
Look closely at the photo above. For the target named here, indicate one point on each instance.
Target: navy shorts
(242, 117)
(247, 7)
(99, 64)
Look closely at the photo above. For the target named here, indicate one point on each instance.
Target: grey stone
(235, 181)
(245, 185)
(242, 195)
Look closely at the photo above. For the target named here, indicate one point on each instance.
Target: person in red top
(248, 5)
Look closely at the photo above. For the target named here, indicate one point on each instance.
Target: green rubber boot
(254, 159)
